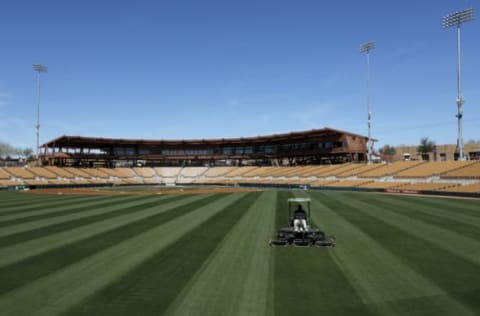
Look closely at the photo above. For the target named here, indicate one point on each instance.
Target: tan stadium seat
(218, 171)
(4, 175)
(361, 168)
(381, 185)
(430, 169)
(112, 172)
(125, 172)
(426, 186)
(95, 173)
(167, 172)
(468, 171)
(60, 172)
(349, 183)
(36, 182)
(19, 172)
(7, 183)
(192, 172)
(389, 169)
(333, 170)
(144, 172)
(468, 188)
(43, 172)
(78, 172)
(241, 171)
(322, 182)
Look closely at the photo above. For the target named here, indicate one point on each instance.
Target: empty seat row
(346, 175)
(432, 168)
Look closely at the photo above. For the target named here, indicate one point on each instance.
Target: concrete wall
(444, 152)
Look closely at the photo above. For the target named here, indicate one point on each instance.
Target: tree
(7, 150)
(388, 151)
(27, 152)
(473, 142)
(426, 146)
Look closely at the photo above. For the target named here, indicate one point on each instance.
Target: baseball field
(207, 253)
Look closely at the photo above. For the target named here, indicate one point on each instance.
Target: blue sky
(219, 69)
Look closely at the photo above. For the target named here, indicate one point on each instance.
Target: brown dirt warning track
(94, 191)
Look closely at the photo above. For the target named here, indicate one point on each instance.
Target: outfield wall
(264, 185)
(358, 189)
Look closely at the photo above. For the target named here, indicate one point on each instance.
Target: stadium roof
(80, 141)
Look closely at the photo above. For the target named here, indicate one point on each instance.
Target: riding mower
(299, 232)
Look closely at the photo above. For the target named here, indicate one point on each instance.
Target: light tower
(456, 19)
(366, 48)
(38, 69)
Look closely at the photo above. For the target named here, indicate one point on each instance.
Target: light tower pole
(38, 69)
(366, 48)
(456, 19)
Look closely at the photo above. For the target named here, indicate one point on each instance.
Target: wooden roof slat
(78, 141)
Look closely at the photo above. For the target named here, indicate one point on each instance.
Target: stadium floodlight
(456, 19)
(39, 69)
(366, 48)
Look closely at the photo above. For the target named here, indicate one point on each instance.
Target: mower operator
(299, 219)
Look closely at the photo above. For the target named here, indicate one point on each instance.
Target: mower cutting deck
(299, 233)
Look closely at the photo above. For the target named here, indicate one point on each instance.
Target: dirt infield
(86, 191)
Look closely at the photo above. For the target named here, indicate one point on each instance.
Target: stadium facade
(446, 152)
(316, 146)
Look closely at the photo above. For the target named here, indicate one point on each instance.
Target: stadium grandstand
(316, 146)
(401, 176)
(318, 159)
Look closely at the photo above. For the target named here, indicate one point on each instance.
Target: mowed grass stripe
(32, 268)
(74, 283)
(458, 279)
(73, 208)
(151, 287)
(34, 247)
(8, 196)
(465, 206)
(84, 212)
(386, 283)
(116, 209)
(432, 214)
(237, 278)
(465, 247)
(27, 205)
(307, 280)
(52, 206)
(458, 213)
(383, 280)
(12, 198)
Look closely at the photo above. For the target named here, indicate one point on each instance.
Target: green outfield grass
(209, 255)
